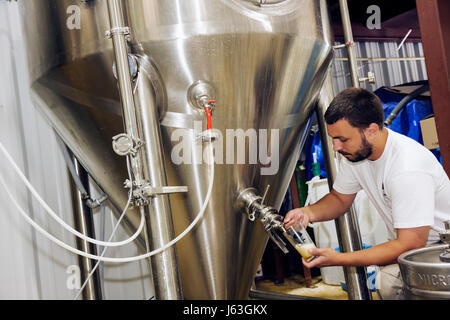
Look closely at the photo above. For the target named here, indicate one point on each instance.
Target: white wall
(31, 266)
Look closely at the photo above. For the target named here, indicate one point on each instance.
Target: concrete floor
(295, 285)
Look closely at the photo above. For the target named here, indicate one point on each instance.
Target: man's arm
(382, 254)
(330, 207)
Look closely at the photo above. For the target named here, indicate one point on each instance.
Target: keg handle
(444, 235)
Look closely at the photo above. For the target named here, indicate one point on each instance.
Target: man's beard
(363, 153)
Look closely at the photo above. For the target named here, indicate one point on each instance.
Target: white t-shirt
(407, 185)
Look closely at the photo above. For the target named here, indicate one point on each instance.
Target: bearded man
(403, 180)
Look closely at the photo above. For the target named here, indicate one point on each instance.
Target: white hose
(117, 260)
(57, 218)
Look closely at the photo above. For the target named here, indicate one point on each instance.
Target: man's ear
(372, 130)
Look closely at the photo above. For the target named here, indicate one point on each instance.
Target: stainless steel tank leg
(348, 35)
(84, 223)
(347, 225)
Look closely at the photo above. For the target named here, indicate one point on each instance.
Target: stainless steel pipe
(348, 36)
(347, 227)
(118, 33)
(83, 222)
(160, 229)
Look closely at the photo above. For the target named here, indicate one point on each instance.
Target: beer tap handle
(265, 194)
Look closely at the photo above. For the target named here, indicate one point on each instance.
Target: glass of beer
(301, 240)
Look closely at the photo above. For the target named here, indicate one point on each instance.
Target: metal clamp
(249, 198)
(138, 198)
(142, 192)
(125, 145)
(370, 78)
(126, 31)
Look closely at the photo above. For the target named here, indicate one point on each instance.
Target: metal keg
(426, 273)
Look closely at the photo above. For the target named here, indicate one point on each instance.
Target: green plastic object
(300, 178)
(316, 169)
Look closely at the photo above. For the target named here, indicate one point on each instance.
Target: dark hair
(358, 106)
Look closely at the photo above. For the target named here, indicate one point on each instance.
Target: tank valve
(209, 135)
(254, 206)
(208, 109)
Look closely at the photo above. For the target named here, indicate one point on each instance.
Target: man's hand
(382, 254)
(294, 216)
(324, 258)
(331, 206)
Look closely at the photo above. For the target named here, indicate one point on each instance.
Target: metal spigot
(267, 215)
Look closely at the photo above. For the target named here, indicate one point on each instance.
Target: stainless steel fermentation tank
(264, 62)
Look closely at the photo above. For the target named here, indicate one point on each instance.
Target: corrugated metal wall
(31, 266)
(387, 73)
